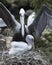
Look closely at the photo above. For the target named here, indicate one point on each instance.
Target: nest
(28, 58)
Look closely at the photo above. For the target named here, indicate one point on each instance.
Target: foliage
(38, 3)
(23, 2)
(35, 4)
(19, 3)
(5, 2)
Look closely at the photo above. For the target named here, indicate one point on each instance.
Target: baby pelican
(20, 47)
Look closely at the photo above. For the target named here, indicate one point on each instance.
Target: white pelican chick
(18, 47)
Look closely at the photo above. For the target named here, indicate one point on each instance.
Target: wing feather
(49, 19)
(8, 18)
(40, 22)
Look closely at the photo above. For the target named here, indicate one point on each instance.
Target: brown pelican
(20, 47)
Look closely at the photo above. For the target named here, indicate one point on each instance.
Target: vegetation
(45, 43)
(34, 4)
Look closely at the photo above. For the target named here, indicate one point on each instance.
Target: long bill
(22, 25)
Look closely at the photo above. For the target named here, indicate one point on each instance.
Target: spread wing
(8, 18)
(43, 18)
(49, 18)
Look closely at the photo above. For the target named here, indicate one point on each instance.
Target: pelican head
(30, 40)
(31, 19)
(22, 14)
(29, 37)
(33, 14)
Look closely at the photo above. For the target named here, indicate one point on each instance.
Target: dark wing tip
(1, 3)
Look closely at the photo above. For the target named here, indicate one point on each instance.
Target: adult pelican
(11, 22)
(43, 18)
(19, 28)
(19, 47)
(21, 34)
